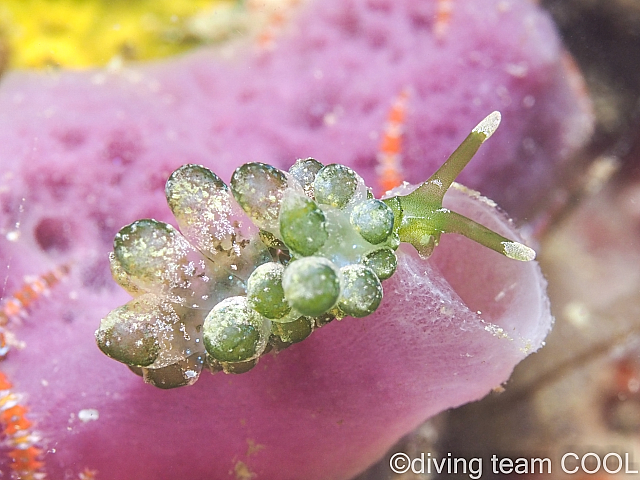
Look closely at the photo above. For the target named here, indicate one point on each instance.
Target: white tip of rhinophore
(489, 124)
(518, 251)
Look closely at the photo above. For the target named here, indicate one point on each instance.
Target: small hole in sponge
(53, 234)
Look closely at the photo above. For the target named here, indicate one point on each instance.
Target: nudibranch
(261, 263)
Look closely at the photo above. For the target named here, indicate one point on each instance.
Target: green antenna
(420, 218)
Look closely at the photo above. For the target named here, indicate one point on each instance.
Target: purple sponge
(85, 153)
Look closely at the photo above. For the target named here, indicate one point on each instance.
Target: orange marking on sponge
(26, 460)
(14, 419)
(277, 14)
(391, 145)
(16, 306)
(25, 456)
(13, 307)
(389, 157)
(444, 9)
(87, 474)
(18, 436)
(26, 296)
(5, 384)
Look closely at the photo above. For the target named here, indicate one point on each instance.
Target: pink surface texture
(84, 153)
